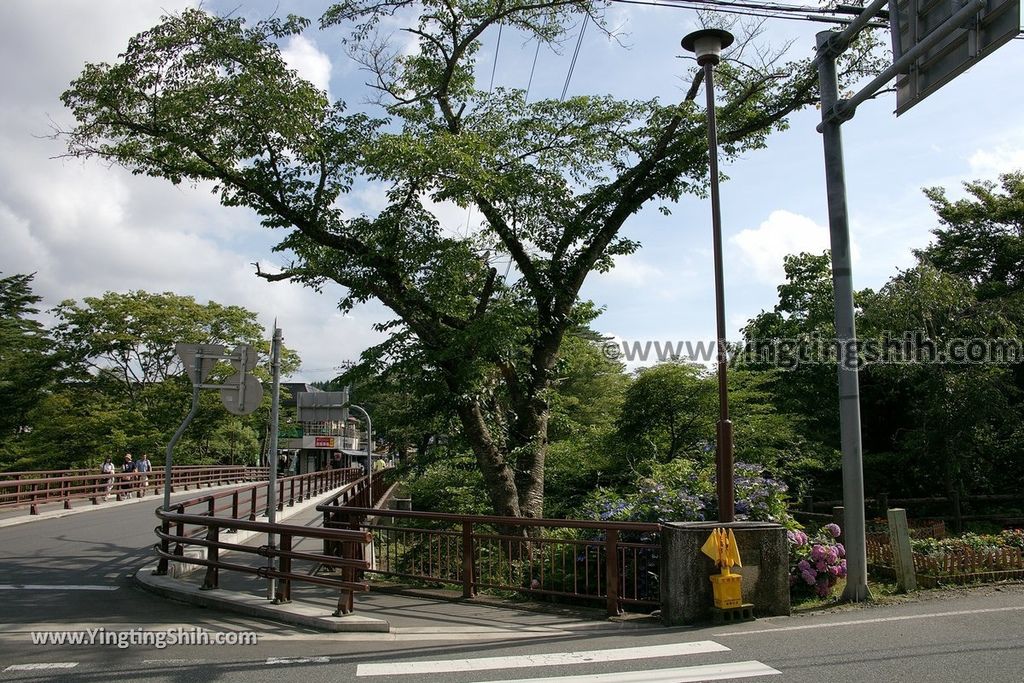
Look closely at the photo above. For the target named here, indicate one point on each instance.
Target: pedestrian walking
(144, 467)
(128, 470)
(108, 468)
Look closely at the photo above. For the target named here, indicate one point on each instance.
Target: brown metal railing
(287, 535)
(65, 486)
(614, 563)
(200, 522)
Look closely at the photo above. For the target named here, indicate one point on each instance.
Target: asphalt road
(74, 574)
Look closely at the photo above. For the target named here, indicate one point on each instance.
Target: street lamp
(708, 44)
(369, 450)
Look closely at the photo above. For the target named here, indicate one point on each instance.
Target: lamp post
(708, 44)
(369, 450)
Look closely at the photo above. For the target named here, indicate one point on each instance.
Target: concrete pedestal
(685, 584)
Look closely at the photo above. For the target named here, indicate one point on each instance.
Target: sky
(85, 227)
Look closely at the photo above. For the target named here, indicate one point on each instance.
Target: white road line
(41, 665)
(298, 660)
(173, 661)
(685, 674)
(53, 587)
(877, 620)
(526, 661)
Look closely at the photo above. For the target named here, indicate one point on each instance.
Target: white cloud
(312, 64)
(782, 233)
(990, 163)
(631, 271)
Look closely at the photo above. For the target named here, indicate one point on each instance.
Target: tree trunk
(498, 476)
(531, 447)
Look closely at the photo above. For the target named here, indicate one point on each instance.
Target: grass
(882, 593)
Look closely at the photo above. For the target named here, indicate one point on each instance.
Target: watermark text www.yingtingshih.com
(887, 349)
(137, 637)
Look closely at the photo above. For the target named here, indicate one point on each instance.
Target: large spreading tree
(205, 98)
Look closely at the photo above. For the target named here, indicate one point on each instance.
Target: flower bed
(816, 562)
(968, 558)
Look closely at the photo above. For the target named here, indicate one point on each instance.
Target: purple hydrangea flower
(833, 530)
(797, 537)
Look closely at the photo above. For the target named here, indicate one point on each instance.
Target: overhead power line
(575, 54)
(768, 10)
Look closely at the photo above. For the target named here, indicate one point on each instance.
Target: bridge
(75, 574)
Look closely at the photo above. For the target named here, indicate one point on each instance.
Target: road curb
(298, 614)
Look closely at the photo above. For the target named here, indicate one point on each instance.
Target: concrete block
(686, 596)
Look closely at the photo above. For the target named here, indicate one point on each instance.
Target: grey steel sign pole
(846, 333)
(275, 402)
(1001, 23)
(196, 372)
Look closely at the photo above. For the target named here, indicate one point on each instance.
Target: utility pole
(275, 403)
(846, 332)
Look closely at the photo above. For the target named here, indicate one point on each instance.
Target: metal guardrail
(65, 486)
(614, 563)
(196, 523)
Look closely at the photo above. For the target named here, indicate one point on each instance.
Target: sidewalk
(20, 515)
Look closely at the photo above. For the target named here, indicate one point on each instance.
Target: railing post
(326, 525)
(346, 602)
(284, 585)
(212, 555)
(612, 572)
(468, 580)
(165, 546)
(180, 533)
(252, 504)
(64, 486)
(291, 486)
(234, 504)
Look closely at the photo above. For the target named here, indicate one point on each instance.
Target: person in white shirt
(144, 467)
(108, 468)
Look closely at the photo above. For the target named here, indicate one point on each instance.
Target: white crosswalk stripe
(684, 674)
(545, 661)
(526, 661)
(40, 666)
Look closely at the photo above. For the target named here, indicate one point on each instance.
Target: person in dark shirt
(128, 469)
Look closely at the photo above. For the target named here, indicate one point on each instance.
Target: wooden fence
(955, 566)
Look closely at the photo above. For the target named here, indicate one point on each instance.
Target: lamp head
(708, 44)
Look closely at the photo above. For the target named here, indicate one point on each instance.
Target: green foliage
(982, 238)
(803, 316)
(588, 391)
(27, 364)
(235, 443)
(670, 408)
(450, 483)
(124, 388)
(979, 543)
